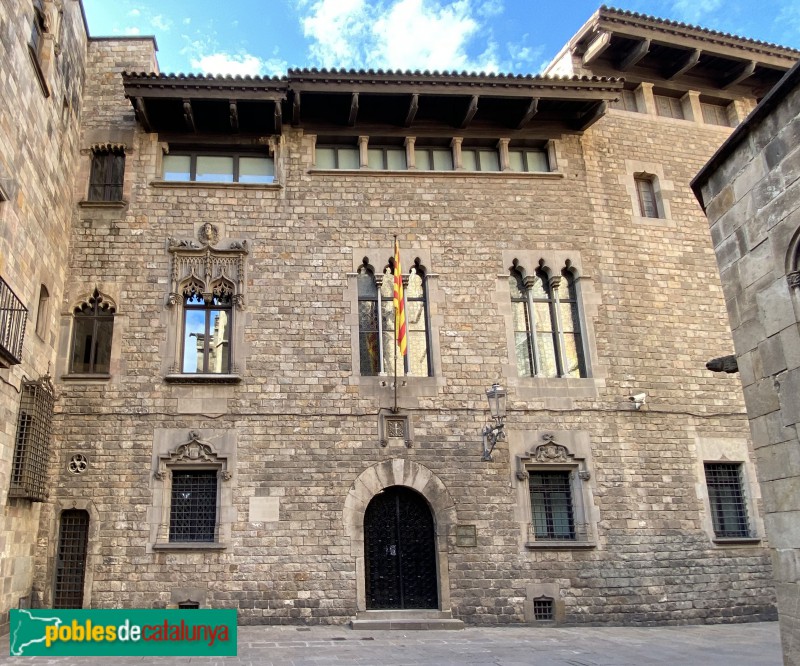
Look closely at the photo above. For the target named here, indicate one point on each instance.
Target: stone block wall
(752, 198)
(305, 425)
(40, 112)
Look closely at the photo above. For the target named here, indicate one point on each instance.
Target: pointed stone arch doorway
(406, 484)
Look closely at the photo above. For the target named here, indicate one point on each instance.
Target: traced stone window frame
(552, 456)
(40, 45)
(96, 309)
(210, 268)
(728, 450)
(194, 454)
(410, 387)
(663, 189)
(106, 174)
(32, 440)
(586, 301)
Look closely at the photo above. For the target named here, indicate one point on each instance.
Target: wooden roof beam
(738, 74)
(278, 117)
(234, 112)
(594, 114)
(683, 64)
(141, 114)
(472, 109)
(633, 56)
(188, 116)
(296, 108)
(596, 48)
(351, 121)
(530, 112)
(413, 107)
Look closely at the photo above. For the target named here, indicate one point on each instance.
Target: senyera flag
(399, 302)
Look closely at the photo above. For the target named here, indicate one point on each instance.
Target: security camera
(638, 397)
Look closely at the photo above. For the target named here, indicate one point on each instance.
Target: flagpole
(394, 343)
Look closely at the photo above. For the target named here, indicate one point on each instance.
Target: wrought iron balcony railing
(13, 316)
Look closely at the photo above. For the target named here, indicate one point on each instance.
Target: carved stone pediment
(550, 452)
(208, 265)
(195, 451)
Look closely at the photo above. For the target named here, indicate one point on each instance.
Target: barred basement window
(551, 505)
(31, 452)
(73, 541)
(193, 509)
(543, 609)
(727, 500)
(108, 173)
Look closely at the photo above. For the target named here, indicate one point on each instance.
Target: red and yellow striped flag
(399, 302)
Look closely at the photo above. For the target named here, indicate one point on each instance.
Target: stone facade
(750, 193)
(298, 437)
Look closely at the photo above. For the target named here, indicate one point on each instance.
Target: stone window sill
(202, 379)
(416, 173)
(189, 545)
(39, 72)
(560, 545)
(86, 377)
(103, 204)
(732, 541)
(193, 184)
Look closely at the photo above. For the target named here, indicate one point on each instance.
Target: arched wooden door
(400, 551)
(73, 542)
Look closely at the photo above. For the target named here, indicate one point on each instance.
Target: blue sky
(266, 37)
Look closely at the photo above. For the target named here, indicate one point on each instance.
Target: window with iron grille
(73, 541)
(646, 195)
(543, 609)
(193, 509)
(727, 500)
(108, 173)
(93, 329)
(551, 504)
(31, 452)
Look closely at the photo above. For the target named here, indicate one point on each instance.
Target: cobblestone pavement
(755, 644)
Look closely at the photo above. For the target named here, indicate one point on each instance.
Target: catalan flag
(399, 302)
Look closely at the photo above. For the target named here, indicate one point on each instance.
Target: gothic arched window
(207, 319)
(93, 329)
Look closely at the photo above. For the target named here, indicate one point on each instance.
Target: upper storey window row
(689, 105)
(381, 155)
(208, 167)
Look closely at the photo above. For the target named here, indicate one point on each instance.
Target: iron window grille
(543, 609)
(552, 506)
(377, 342)
(31, 453)
(107, 176)
(13, 317)
(93, 330)
(727, 500)
(547, 327)
(193, 508)
(73, 544)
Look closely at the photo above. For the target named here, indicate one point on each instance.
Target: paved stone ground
(755, 644)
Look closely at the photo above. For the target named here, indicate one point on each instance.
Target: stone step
(405, 620)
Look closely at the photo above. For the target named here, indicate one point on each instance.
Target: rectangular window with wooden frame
(218, 167)
(646, 196)
(107, 176)
(715, 114)
(626, 102)
(669, 107)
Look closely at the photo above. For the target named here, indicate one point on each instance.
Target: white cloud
(132, 30)
(403, 34)
(134, 12)
(242, 64)
(693, 11)
(187, 21)
(160, 23)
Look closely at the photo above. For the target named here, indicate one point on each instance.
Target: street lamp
(493, 433)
